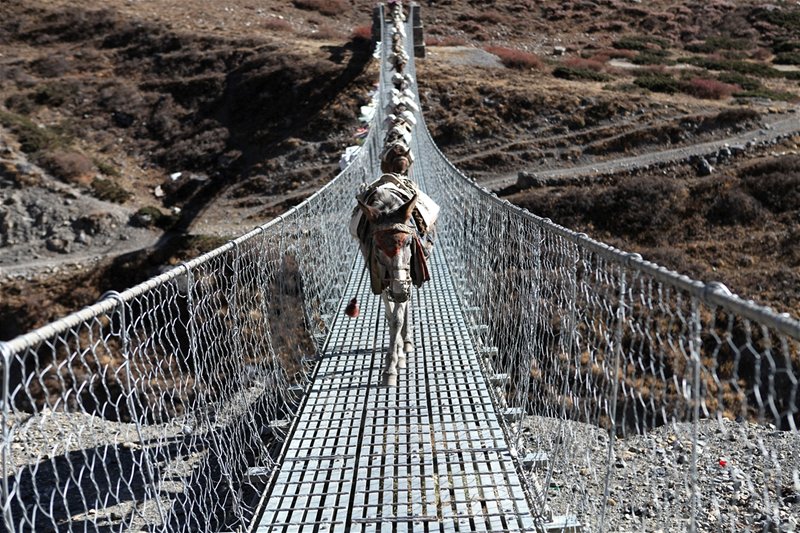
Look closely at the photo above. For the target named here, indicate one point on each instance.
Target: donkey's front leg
(408, 334)
(395, 317)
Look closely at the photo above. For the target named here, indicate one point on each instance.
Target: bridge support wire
(619, 394)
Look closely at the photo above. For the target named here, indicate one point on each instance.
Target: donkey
(391, 246)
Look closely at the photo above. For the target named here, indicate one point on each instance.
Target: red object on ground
(723, 463)
(352, 308)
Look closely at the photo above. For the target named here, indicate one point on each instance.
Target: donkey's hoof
(408, 347)
(401, 362)
(390, 380)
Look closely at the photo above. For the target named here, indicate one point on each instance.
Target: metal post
(612, 430)
(694, 347)
(418, 35)
(5, 446)
(114, 295)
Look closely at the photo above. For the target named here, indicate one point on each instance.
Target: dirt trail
(775, 127)
(533, 140)
(76, 261)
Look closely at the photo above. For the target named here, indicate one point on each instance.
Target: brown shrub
(646, 209)
(53, 66)
(325, 7)
(490, 17)
(68, 166)
(361, 33)
(513, 58)
(276, 24)
(474, 29)
(588, 64)
(734, 206)
(710, 89)
(738, 119)
(775, 183)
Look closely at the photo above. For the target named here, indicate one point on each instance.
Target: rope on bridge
(150, 409)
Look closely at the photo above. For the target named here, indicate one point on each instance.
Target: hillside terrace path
(781, 126)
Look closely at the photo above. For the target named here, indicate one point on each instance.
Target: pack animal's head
(391, 247)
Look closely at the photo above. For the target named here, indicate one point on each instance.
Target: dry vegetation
(632, 79)
(259, 101)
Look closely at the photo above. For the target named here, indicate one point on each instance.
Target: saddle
(424, 217)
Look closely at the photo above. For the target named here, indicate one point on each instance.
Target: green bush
(621, 87)
(742, 67)
(54, 94)
(788, 58)
(150, 216)
(640, 42)
(109, 191)
(785, 18)
(785, 46)
(767, 93)
(32, 138)
(579, 74)
(745, 82)
(105, 167)
(652, 57)
(713, 44)
(658, 82)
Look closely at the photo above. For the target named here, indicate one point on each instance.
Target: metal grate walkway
(428, 455)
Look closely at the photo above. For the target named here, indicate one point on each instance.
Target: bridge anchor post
(419, 38)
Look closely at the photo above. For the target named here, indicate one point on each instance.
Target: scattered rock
(55, 244)
(703, 167)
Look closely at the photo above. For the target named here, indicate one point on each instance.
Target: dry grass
(588, 64)
(276, 24)
(69, 166)
(327, 33)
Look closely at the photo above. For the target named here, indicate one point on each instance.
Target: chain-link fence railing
(160, 408)
(638, 398)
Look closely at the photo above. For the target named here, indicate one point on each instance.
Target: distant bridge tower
(419, 37)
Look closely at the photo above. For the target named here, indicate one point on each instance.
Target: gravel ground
(748, 476)
(88, 472)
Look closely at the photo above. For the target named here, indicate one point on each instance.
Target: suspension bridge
(543, 359)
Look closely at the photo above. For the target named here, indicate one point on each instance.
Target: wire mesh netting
(638, 399)
(147, 410)
(634, 398)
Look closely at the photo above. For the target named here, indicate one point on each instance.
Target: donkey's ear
(370, 212)
(408, 207)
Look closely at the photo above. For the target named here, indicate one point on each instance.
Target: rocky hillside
(130, 134)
